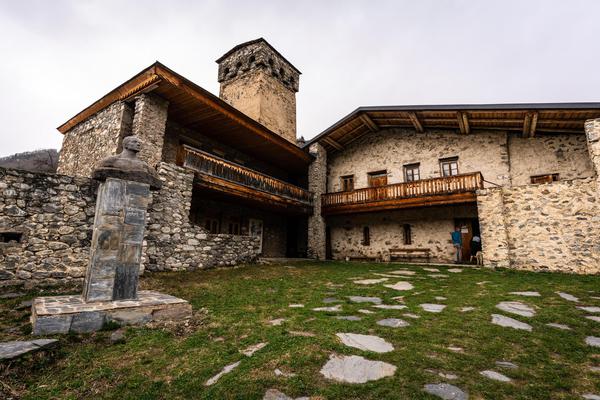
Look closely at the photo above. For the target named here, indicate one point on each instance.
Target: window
(212, 225)
(449, 166)
(234, 228)
(347, 183)
(11, 237)
(407, 234)
(366, 236)
(412, 173)
(548, 178)
(377, 178)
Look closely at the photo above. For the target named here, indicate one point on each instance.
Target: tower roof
(256, 41)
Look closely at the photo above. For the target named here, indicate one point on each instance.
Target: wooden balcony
(427, 192)
(232, 179)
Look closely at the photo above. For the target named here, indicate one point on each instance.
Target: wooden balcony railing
(449, 185)
(213, 166)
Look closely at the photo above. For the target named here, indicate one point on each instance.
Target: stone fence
(548, 227)
(46, 225)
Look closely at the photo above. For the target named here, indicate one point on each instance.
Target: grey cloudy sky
(60, 56)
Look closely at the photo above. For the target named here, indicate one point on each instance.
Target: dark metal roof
(250, 42)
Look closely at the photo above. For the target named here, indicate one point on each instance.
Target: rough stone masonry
(112, 275)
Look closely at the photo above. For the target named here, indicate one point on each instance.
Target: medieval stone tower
(261, 83)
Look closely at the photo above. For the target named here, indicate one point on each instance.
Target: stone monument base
(64, 314)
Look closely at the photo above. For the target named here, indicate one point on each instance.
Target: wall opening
(11, 237)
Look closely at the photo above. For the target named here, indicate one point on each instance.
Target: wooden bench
(409, 254)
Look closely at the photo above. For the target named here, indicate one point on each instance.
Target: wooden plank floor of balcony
(393, 204)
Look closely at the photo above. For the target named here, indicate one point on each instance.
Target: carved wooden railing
(208, 164)
(426, 187)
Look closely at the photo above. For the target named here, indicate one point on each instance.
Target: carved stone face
(132, 143)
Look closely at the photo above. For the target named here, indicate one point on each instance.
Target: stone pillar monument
(110, 288)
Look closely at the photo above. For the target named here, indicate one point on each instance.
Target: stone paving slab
(64, 314)
(365, 342)
(356, 369)
(14, 349)
(508, 322)
(516, 307)
(445, 391)
(74, 304)
(526, 294)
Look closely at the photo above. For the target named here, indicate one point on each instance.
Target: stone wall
(149, 123)
(96, 138)
(225, 213)
(391, 149)
(54, 214)
(565, 155)
(549, 227)
(430, 229)
(317, 183)
(174, 244)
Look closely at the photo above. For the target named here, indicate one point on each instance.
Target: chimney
(262, 84)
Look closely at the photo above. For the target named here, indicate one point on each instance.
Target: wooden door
(466, 230)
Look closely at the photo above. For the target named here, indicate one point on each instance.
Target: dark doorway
(469, 227)
(328, 254)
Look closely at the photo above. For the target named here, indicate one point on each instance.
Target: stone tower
(257, 80)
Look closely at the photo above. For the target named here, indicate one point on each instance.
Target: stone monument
(110, 287)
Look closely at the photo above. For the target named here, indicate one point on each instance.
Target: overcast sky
(57, 57)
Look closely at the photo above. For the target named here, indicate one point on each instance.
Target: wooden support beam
(369, 123)
(415, 120)
(333, 143)
(463, 122)
(530, 124)
(533, 125)
(526, 125)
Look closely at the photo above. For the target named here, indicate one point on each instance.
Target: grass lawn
(232, 308)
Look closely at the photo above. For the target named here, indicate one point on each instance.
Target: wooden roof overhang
(198, 109)
(524, 119)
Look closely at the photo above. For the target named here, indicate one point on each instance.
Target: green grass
(232, 307)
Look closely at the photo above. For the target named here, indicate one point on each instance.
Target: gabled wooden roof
(198, 109)
(525, 119)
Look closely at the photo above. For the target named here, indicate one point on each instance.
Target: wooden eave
(198, 109)
(527, 120)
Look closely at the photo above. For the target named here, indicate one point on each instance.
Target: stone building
(394, 182)
(384, 183)
(234, 180)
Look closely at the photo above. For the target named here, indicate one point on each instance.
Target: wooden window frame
(343, 183)
(377, 174)
(409, 172)
(449, 161)
(212, 225)
(545, 178)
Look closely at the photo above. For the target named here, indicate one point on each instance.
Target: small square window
(412, 172)
(449, 166)
(347, 183)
